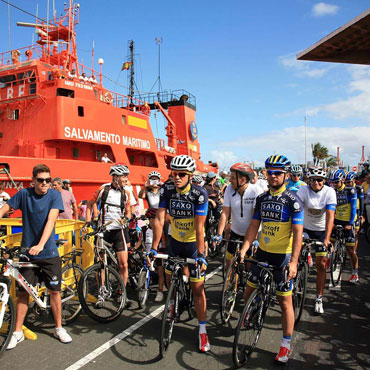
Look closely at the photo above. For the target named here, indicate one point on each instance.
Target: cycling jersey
(360, 200)
(241, 206)
(183, 207)
(278, 211)
(346, 204)
(294, 186)
(315, 206)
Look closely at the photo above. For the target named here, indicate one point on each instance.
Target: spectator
(67, 185)
(82, 206)
(106, 159)
(4, 196)
(69, 201)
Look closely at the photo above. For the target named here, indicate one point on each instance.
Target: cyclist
(295, 182)
(150, 191)
(240, 198)
(280, 213)
(197, 180)
(350, 182)
(115, 205)
(40, 208)
(319, 203)
(187, 205)
(345, 215)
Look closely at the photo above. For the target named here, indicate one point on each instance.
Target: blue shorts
(278, 260)
(184, 250)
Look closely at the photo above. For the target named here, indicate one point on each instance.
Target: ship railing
(169, 96)
(20, 55)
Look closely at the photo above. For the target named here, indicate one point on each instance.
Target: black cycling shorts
(116, 237)
(320, 250)
(49, 272)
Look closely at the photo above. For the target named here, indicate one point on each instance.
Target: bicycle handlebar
(166, 257)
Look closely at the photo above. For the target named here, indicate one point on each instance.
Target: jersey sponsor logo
(201, 199)
(248, 200)
(296, 205)
(181, 208)
(195, 191)
(271, 231)
(342, 198)
(272, 211)
(161, 191)
(314, 211)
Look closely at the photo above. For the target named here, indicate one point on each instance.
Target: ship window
(76, 152)
(98, 155)
(123, 120)
(65, 92)
(80, 111)
(31, 76)
(5, 81)
(16, 114)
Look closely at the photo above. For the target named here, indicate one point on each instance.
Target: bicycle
(179, 298)
(338, 255)
(10, 265)
(211, 232)
(251, 320)
(101, 290)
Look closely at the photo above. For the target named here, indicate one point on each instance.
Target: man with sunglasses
(40, 208)
(280, 213)
(295, 182)
(346, 215)
(187, 205)
(319, 203)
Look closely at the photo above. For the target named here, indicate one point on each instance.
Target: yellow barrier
(64, 229)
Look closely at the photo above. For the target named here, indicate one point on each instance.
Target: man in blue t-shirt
(40, 208)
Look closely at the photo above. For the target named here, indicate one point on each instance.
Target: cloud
(302, 68)
(224, 158)
(322, 9)
(290, 142)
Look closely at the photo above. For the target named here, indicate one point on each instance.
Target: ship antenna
(159, 42)
(132, 72)
(9, 26)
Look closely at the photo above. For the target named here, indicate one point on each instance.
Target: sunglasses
(179, 174)
(275, 172)
(317, 180)
(41, 180)
(336, 182)
(348, 181)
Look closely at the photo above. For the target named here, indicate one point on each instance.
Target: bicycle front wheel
(249, 329)
(299, 291)
(71, 307)
(7, 325)
(143, 287)
(336, 263)
(169, 317)
(229, 293)
(102, 293)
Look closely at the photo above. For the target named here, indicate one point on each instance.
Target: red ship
(55, 110)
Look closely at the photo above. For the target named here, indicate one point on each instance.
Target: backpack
(105, 196)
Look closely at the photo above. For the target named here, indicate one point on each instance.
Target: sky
(238, 57)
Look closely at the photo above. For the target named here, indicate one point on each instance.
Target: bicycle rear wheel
(299, 291)
(249, 329)
(143, 287)
(7, 326)
(336, 263)
(212, 246)
(229, 293)
(168, 318)
(102, 293)
(71, 307)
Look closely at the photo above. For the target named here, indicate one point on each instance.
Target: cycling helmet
(260, 176)
(151, 212)
(154, 174)
(211, 175)
(66, 181)
(244, 169)
(316, 172)
(277, 161)
(296, 169)
(119, 170)
(337, 175)
(218, 184)
(350, 176)
(197, 179)
(316, 162)
(183, 163)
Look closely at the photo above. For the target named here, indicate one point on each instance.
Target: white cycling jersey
(241, 221)
(315, 206)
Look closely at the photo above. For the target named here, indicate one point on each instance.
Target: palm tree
(331, 161)
(319, 151)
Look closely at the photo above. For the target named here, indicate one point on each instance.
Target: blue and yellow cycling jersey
(278, 211)
(294, 186)
(346, 204)
(183, 207)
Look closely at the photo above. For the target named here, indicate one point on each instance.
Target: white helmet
(197, 179)
(316, 172)
(296, 168)
(119, 170)
(183, 163)
(154, 174)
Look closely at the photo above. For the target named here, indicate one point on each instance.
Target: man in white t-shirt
(319, 203)
(239, 200)
(4, 196)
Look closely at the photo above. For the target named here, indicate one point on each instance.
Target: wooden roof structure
(347, 44)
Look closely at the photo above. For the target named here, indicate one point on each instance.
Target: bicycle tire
(229, 293)
(143, 288)
(7, 327)
(299, 291)
(71, 306)
(168, 318)
(224, 261)
(248, 329)
(114, 293)
(336, 264)
(367, 234)
(212, 251)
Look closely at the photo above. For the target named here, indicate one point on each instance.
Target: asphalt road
(339, 339)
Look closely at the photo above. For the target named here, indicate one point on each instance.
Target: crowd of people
(275, 206)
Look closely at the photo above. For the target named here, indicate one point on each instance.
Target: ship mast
(132, 72)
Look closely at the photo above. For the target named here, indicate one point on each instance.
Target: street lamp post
(305, 132)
